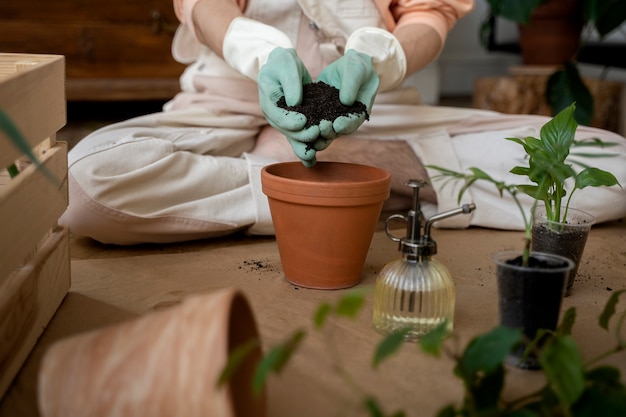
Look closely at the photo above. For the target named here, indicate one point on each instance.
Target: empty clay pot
(324, 219)
(165, 363)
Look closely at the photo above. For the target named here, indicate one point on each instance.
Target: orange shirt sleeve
(441, 15)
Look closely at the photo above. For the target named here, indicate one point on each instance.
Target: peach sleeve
(441, 15)
(183, 9)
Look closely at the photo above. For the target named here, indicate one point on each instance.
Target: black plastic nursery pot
(529, 297)
(564, 239)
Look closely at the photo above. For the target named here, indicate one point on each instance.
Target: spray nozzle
(415, 243)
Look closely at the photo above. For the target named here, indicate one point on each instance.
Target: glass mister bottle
(415, 292)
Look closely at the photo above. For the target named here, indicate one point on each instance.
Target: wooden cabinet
(114, 50)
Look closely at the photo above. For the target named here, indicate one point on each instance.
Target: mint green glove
(306, 151)
(284, 74)
(354, 76)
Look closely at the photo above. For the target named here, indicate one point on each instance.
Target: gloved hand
(284, 74)
(265, 54)
(354, 76)
(307, 151)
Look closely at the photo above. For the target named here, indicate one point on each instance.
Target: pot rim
(587, 219)
(348, 180)
(500, 258)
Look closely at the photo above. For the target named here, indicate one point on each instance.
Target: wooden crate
(34, 250)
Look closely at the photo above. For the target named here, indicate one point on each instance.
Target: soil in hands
(320, 101)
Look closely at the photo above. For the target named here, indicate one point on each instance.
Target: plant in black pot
(557, 228)
(553, 32)
(531, 283)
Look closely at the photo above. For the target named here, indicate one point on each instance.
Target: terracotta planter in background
(165, 364)
(552, 37)
(324, 219)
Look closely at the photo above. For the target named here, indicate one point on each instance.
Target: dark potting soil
(320, 101)
(567, 243)
(536, 263)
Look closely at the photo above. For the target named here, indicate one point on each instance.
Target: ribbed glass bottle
(413, 293)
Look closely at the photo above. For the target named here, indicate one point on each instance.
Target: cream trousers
(183, 174)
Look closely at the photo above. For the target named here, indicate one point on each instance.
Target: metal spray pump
(415, 292)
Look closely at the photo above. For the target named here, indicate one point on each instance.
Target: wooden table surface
(111, 284)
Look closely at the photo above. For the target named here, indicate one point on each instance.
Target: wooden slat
(30, 205)
(34, 98)
(28, 300)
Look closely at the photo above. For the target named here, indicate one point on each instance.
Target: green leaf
(235, 359)
(562, 364)
(486, 389)
(276, 359)
(373, 408)
(432, 341)
(16, 138)
(518, 11)
(322, 312)
(447, 411)
(606, 400)
(604, 374)
(609, 16)
(567, 323)
(389, 345)
(609, 309)
(557, 135)
(350, 304)
(565, 87)
(594, 177)
(486, 352)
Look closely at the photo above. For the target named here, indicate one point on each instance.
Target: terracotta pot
(324, 219)
(529, 297)
(165, 363)
(565, 239)
(552, 36)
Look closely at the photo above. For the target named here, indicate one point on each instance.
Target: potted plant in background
(529, 282)
(550, 34)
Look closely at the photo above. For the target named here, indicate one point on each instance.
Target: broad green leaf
(486, 389)
(447, 411)
(518, 170)
(594, 177)
(480, 174)
(350, 304)
(609, 309)
(322, 312)
(276, 359)
(373, 408)
(605, 375)
(523, 413)
(531, 190)
(601, 400)
(609, 16)
(235, 359)
(562, 364)
(432, 341)
(486, 352)
(389, 345)
(565, 87)
(567, 323)
(518, 11)
(19, 141)
(557, 135)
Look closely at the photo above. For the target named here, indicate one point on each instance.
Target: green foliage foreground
(573, 387)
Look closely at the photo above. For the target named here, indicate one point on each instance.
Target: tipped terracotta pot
(324, 219)
(165, 363)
